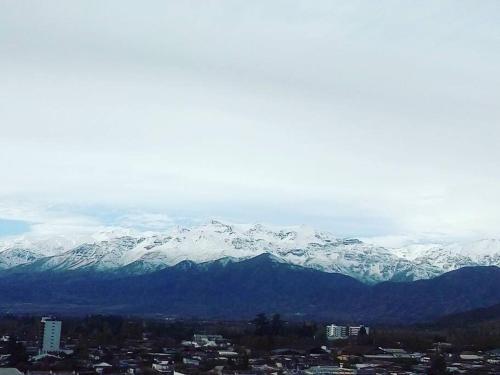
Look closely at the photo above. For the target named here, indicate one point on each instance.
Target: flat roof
(10, 371)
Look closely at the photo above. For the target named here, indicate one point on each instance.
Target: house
(164, 367)
(44, 356)
(392, 354)
(102, 367)
(4, 359)
(470, 357)
(191, 361)
(329, 370)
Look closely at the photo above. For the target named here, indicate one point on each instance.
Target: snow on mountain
(99, 256)
(434, 259)
(49, 245)
(24, 250)
(128, 251)
(13, 257)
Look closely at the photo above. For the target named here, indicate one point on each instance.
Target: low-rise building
(329, 370)
(164, 367)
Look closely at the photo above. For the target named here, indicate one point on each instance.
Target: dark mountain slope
(242, 289)
(459, 290)
(471, 317)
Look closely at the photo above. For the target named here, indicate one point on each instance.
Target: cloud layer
(359, 117)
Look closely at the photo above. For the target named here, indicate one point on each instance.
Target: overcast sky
(366, 118)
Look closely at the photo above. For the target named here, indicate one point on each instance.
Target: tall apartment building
(51, 335)
(335, 332)
(354, 331)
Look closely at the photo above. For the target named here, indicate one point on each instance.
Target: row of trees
(276, 326)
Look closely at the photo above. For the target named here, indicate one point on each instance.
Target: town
(265, 345)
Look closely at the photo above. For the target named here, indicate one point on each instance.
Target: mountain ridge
(243, 289)
(139, 253)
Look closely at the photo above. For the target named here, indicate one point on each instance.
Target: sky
(364, 118)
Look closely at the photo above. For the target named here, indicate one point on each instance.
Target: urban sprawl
(118, 345)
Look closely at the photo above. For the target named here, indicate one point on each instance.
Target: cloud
(42, 220)
(145, 221)
(33, 219)
(357, 117)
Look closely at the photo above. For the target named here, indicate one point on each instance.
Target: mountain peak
(216, 239)
(266, 258)
(219, 223)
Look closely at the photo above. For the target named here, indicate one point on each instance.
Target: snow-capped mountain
(433, 260)
(99, 256)
(25, 250)
(146, 252)
(16, 256)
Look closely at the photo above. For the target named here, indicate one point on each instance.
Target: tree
(438, 365)
(362, 338)
(261, 324)
(17, 352)
(243, 361)
(277, 325)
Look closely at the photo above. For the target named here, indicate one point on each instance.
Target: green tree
(261, 324)
(362, 338)
(438, 365)
(17, 352)
(277, 325)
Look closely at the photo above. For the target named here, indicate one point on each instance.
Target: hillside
(242, 289)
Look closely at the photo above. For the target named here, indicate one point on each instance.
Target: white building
(335, 332)
(165, 367)
(51, 334)
(329, 370)
(100, 368)
(354, 331)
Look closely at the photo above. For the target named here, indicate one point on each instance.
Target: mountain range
(235, 271)
(128, 252)
(239, 290)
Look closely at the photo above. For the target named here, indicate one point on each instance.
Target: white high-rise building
(335, 332)
(354, 331)
(51, 334)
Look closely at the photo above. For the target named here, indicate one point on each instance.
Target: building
(10, 371)
(102, 367)
(329, 370)
(335, 332)
(51, 335)
(354, 331)
(164, 367)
